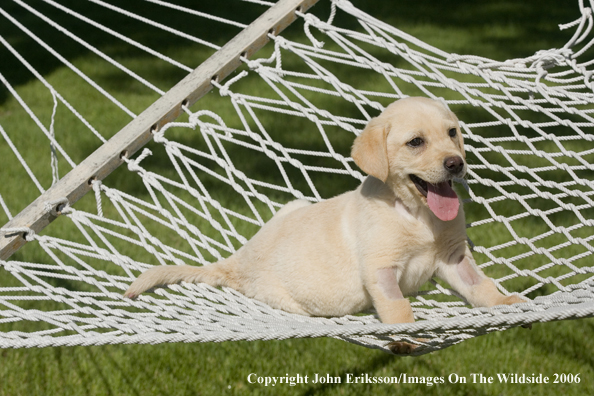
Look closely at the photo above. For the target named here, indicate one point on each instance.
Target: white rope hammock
(205, 184)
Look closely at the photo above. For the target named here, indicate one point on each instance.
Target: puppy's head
(416, 148)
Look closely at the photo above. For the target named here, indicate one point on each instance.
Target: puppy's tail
(221, 273)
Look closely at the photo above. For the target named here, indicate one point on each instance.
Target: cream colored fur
(368, 247)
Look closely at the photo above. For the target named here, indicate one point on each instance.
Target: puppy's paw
(513, 299)
(509, 300)
(130, 294)
(403, 347)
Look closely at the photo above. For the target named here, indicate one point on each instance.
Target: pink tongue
(442, 201)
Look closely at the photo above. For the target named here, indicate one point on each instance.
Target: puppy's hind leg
(221, 273)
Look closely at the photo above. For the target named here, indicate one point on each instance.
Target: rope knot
(134, 165)
(28, 233)
(57, 207)
(312, 20)
(547, 59)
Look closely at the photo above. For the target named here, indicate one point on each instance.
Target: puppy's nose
(454, 165)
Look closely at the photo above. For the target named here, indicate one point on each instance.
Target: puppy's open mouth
(441, 198)
(422, 184)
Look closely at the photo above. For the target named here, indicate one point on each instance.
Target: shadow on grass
(498, 30)
(155, 38)
(508, 29)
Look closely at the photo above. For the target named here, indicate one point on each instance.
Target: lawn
(559, 351)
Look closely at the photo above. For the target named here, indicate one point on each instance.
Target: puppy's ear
(370, 149)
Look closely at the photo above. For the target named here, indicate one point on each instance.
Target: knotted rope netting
(206, 183)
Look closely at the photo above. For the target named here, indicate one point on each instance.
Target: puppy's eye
(416, 142)
(452, 132)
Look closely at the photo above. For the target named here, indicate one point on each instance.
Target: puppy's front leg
(391, 305)
(466, 278)
(387, 298)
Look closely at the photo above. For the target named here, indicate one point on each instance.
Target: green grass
(213, 369)
(498, 29)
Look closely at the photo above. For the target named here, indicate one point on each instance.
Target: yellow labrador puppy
(368, 247)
